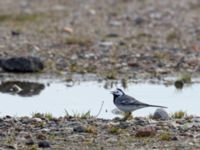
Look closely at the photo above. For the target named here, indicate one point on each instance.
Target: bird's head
(118, 92)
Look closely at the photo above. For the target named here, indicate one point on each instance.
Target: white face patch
(118, 92)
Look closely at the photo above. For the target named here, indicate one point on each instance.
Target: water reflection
(24, 89)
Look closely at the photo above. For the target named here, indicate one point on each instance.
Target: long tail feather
(157, 106)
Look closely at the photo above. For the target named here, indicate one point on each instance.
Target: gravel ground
(111, 38)
(45, 131)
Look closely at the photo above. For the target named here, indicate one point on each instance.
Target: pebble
(174, 138)
(29, 142)
(115, 23)
(44, 144)
(145, 131)
(138, 20)
(41, 136)
(68, 30)
(79, 129)
(106, 44)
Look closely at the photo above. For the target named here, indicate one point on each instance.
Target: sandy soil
(112, 38)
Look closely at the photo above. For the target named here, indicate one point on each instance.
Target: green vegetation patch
(20, 18)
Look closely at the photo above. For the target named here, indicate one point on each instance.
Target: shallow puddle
(25, 98)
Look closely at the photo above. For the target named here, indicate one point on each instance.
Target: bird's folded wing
(128, 100)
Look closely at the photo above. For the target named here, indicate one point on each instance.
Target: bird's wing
(128, 100)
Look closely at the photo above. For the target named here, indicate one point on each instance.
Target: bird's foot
(127, 116)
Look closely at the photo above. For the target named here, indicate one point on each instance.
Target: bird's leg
(127, 116)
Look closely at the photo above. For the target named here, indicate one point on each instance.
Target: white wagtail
(127, 103)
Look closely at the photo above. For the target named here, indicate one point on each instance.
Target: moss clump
(160, 55)
(186, 77)
(37, 115)
(114, 130)
(79, 40)
(179, 114)
(33, 147)
(91, 129)
(48, 116)
(21, 18)
(111, 75)
(172, 36)
(79, 115)
(74, 67)
(165, 137)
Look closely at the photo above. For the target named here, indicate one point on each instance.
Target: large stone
(22, 64)
(161, 114)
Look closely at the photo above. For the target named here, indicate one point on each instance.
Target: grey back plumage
(128, 100)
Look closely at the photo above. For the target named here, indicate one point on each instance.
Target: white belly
(129, 108)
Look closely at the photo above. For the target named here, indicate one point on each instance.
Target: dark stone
(79, 129)
(22, 64)
(174, 138)
(1, 120)
(15, 33)
(29, 142)
(161, 114)
(179, 84)
(141, 122)
(138, 20)
(112, 35)
(123, 125)
(43, 144)
(6, 146)
(21, 88)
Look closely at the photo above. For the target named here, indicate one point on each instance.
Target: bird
(127, 103)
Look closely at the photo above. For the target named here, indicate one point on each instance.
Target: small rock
(106, 44)
(77, 137)
(41, 136)
(123, 125)
(68, 30)
(44, 144)
(1, 120)
(9, 146)
(197, 136)
(179, 84)
(79, 129)
(145, 132)
(37, 119)
(115, 23)
(141, 121)
(22, 64)
(138, 20)
(161, 114)
(112, 140)
(174, 138)
(15, 33)
(29, 142)
(112, 35)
